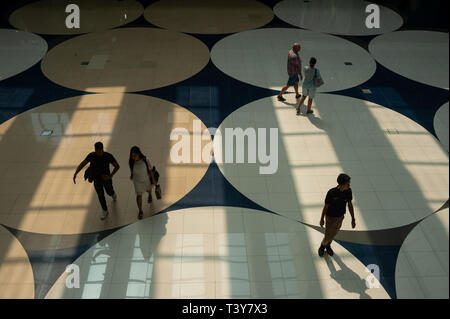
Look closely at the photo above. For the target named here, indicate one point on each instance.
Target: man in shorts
(334, 210)
(308, 87)
(294, 69)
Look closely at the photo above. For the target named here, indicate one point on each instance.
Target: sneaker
(310, 112)
(298, 111)
(330, 251)
(104, 214)
(114, 197)
(298, 96)
(321, 250)
(280, 98)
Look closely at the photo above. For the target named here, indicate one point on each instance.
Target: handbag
(88, 174)
(317, 81)
(156, 176)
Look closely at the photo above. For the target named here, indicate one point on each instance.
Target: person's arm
(299, 69)
(352, 213)
(322, 218)
(150, 173)
(116, 168)
(79, 168)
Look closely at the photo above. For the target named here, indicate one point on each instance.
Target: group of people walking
(142, 175)
(339, 197)
(312, 78)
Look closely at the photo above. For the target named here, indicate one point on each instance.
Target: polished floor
(154, 73)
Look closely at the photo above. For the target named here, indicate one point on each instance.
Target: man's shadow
(347, 277)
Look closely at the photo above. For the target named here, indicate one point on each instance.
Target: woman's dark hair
(136, 150)
(343, 179)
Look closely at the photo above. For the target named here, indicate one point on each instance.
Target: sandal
(141, 214)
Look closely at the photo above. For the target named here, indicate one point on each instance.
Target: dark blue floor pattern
(385, 257)
(212, 95)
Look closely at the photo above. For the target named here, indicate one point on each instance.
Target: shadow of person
(150, 231)
(347, 278)
(316, 121)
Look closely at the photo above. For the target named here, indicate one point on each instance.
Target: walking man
(100, 172)
(294, 69)
(308, 87)
(334, 210)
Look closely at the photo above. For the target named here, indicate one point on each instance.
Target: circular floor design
(418, 55)
(19, 51)
(399, 171)
(422, 265)
(259, 57)
(208, 16)
(216, 252)
(16, 274)
(125, 60)
(95, 15)
(346, 17)
(37, 191)
(441, 125)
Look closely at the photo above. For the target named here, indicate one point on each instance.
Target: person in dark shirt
(334, 210)
(101, 174)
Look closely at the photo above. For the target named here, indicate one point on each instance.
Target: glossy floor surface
(174, 77)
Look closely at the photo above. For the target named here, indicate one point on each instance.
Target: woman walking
(141, 175)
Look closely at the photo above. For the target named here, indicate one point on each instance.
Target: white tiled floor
(50, 203)
(397, 51)
(422, 266)
(394, 175)
(239, 53)
(347, 17)
(254, 263)
(31, 16)
(19, 51)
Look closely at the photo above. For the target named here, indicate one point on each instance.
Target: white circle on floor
(19, 51)
(125, 60)
(421, 56)
(16, 274)
(216, 252)
(208, 16)
(398, 170)
(49, 16)
(37, 192)
(259, 57)
(422, 265)
(441, 125)
(346, 17)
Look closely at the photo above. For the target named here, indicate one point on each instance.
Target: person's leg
(149, 200)
(309, 105)
(296, 90)
(139, 201)
(302, 99)
(280, 95)
(110, 189)
(139, 204)
(330, 230)
(98, 185)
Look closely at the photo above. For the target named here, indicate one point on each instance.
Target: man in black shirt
(334, 210)
(101, 174)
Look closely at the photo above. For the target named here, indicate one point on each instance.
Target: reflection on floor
(223, 230)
